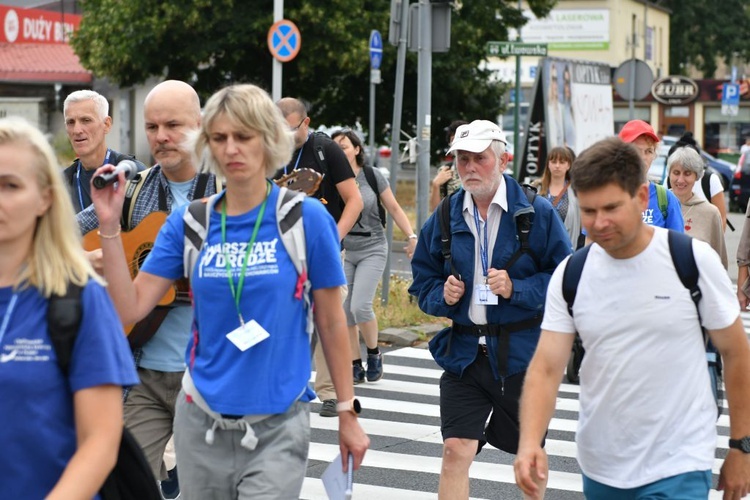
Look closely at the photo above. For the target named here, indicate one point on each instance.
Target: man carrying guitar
(87, 123)
(340, 194)
(171, 111)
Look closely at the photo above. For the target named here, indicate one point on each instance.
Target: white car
(657, 172)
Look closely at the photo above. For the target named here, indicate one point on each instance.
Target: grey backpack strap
(292, 231)
(195, 221)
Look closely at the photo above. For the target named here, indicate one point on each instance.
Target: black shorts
(466, 402)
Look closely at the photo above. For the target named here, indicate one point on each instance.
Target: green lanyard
(237, 292)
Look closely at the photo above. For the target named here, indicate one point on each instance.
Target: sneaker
(329, 408)
(170, 488)
(359, 374)
(374, 367)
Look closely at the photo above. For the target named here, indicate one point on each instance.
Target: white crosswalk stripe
(402, 417)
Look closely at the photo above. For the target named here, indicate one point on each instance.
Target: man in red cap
(663, 206)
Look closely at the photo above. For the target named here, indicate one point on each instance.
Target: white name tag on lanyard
(248, 335)
(483, 296)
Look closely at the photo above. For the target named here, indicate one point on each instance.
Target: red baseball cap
(636, 128)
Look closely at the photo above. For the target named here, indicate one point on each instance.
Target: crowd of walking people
(266, 243)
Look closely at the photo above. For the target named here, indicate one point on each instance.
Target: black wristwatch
(742, 444)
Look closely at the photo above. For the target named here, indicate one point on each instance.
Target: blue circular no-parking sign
(284, 40)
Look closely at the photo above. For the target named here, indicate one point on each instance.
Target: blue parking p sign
(730, 94)
(376, 49)
(730, 99)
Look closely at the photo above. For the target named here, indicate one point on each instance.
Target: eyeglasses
(294, 129)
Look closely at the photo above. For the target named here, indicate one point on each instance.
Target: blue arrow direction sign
(376, 49)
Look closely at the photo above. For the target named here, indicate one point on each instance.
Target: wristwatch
(352, 406)
(742, 444)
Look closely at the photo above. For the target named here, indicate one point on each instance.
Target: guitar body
(304, 180)
(138, 243)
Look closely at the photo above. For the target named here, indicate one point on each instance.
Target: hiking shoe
(374, 367)
(359, 374)
(329, 408)
(170, 488)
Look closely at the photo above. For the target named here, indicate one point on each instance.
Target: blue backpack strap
(681, 250)
(572, 275)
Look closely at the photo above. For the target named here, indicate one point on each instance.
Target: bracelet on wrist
(412, 236)
(109, 236)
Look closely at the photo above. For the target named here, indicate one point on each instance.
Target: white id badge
(483, 296)
(247, 335)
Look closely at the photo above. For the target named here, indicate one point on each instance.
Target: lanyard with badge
(483, 296)
(250, 333)
(8, 314)
(78, 178)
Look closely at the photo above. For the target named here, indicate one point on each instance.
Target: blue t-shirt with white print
(38, 433)
(653, 216)
(269, 376)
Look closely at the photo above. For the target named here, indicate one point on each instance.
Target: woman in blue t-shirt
(242, 423)
(60, 434)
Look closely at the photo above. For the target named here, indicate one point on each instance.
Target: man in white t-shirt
(647, 414)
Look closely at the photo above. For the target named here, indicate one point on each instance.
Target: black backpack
(524, 223)
(681, 251)
(132, 478)
(320, 159)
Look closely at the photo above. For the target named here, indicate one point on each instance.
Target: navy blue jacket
(550, 244)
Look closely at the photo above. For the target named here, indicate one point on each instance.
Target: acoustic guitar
(138, 243)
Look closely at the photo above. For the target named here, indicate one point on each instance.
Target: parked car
(657, 172)
(739, 194)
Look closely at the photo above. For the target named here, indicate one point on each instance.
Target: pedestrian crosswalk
(401, 415)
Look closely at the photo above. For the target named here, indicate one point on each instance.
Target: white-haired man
(87, 123)
(493, 288)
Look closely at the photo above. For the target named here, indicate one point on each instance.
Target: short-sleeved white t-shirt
(646, 407)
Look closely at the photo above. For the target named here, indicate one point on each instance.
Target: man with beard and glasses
(493, 289)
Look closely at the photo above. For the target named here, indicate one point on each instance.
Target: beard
(486, 188)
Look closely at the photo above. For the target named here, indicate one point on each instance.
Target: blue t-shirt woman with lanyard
(235, 439)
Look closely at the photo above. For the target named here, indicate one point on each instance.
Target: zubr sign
(675, 90)
(36, 26)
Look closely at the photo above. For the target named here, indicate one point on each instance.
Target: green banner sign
(504, 49)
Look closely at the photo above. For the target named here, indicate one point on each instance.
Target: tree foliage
(211, 43)
(701, 32)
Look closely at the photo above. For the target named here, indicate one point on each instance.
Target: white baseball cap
(476, 136)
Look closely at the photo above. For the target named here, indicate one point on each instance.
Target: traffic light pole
(424, 109)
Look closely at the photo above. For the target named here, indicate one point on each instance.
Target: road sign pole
(517, 111)
(278, 15)
(372, 120)
(398, 104)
